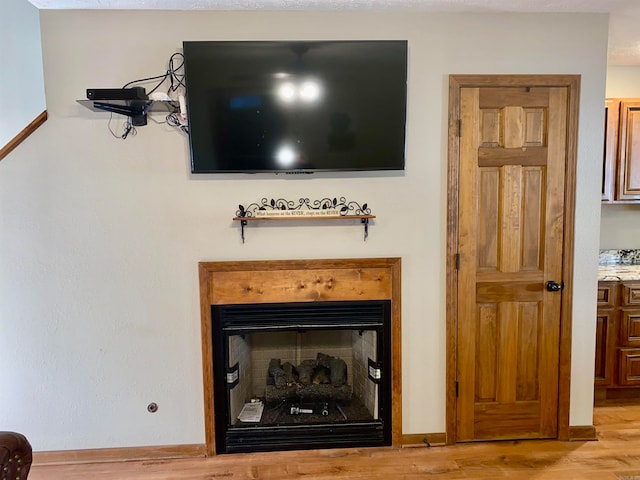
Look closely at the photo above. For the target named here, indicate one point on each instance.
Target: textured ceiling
(624, 36)
(425, 5)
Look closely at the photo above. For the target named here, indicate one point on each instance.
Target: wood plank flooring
(615, 456)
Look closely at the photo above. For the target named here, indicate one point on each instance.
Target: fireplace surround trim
(274, 281)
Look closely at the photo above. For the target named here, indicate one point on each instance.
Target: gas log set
(314, 387)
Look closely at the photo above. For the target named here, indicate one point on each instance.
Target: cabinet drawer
(606, 294)
(630, 327)
(629, 366)
(630, 294)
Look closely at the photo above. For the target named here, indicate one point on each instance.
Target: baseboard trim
(106, 455)
(165, 452)
(628, 394)
(582, 433)
(424, 440)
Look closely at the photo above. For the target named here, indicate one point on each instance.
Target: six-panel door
(512, 167)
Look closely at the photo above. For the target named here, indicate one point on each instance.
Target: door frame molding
(456, 83)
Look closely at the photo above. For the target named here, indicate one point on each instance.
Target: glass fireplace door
(307, 375)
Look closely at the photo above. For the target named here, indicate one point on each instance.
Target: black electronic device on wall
(135, 93)
(296, 106)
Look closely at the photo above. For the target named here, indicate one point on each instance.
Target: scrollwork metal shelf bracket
(305, 209)
(365, 222)
(243, 223)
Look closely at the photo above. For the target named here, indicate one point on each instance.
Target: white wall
(620, 224)
(101, 237)
(21, 77)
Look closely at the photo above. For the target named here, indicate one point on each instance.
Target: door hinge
(457, 261)
(457, 389)
(460, 128)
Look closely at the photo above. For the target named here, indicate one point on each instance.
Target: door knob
(553, 286)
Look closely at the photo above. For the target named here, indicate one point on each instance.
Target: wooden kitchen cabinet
(607, 294)
(631, 293)
(611, 123)
(617, 360)
(621, 162)
(630, 327)
(628, 177)
(605, 348)
(606, 334)
(629, 373)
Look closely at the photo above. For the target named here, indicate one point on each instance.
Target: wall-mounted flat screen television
(296, 106)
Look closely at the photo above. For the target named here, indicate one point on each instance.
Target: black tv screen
(271, 106)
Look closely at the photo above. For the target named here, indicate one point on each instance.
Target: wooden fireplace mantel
(224, 283)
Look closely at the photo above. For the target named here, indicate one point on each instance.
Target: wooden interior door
(511, 193)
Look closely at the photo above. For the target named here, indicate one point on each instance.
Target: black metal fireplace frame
(230, 320)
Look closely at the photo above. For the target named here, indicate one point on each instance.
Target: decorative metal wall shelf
(305, 209)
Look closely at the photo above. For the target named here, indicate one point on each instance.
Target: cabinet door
(628, 177)
(611, 122)
(605, 347)
(629, 368)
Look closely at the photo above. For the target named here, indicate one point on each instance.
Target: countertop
(618, 272)
(616, 265)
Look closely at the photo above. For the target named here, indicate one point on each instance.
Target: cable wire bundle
(176, 79)
(175, 76)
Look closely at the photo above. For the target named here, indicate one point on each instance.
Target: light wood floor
(615, 456)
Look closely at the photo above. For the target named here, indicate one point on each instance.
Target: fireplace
(301, 354)
(302, 375)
